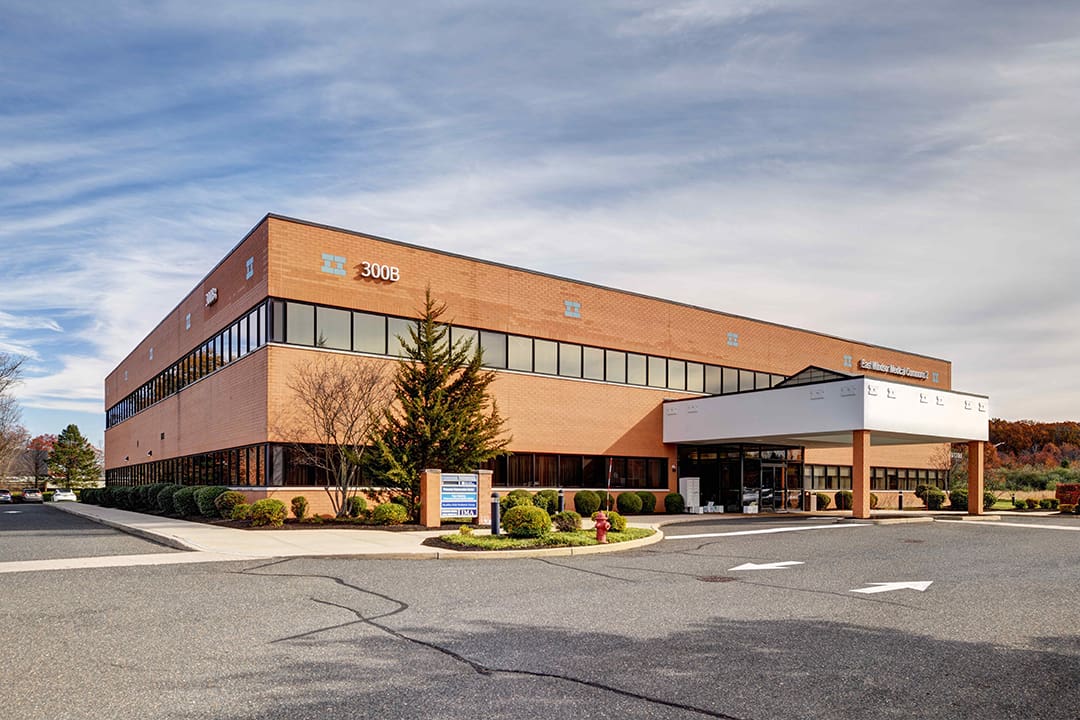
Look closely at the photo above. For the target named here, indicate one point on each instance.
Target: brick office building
(586, 375)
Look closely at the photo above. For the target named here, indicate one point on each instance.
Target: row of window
(296, 323)
(245, 466)
(232, 343)
(838, 477)
(548, 470)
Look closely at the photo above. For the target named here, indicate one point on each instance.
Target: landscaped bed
(572, 538)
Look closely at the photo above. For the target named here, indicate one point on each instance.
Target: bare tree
(13, 436)
(337, 411)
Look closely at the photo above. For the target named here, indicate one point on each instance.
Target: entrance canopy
(825, 414)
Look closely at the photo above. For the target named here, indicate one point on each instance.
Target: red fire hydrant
(602, 526)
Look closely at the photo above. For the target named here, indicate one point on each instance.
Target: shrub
(873, 501)
(586, 502)
(88, 496)
(526, 521)
(843, 500)
(988, 500)
(648, 502)
(268, 511)
(355, 506)
(1019, 504)
(547, 500)
(241, 511)
(226, 501)
(823, 501)
(628, 503)
(922, 490)
(164, 499)
(121, 497)
(934, 498)
(184, 501)
(607, 500)
(1045, 503)
(674, 503)
(1031, 503)
(514, 498)
(47, 496)
(390, 513)
(617, 521)
(567, 521)
(465, 530)
(299, 507)
(205, 497)
(1053, 503)
(958, 499)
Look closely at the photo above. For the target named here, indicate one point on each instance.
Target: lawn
(576, 538)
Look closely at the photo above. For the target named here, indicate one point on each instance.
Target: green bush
(299, 507)
(617, 521)
(958, 499)
(674, 503)
(240, 511)
(547, 500)
(184, 501)
(122, 497)
(47, 496)
(226, 501)
(1019, 504)
(628, 503)
(607, 500)
(355, 506)
(268, 511)
(1031, 503)
(567, 521)
(205, 497)
(390, 514)
(514, 498)
(1045, 503)
(989, 499)
(165, 499)
(934, 498)
(1054, 502)
(823, 501)
(921, 490)
(843, 500)
(88, 496)
(873, 501)
(586, 502)
(526, 521)
(648, 502)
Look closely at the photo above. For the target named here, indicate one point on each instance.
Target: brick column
(483, 497)
(430, 498)
(975, 477)
(860, 474)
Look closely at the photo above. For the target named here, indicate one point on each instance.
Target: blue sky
(901, 173)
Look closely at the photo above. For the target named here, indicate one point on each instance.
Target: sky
(905, 174)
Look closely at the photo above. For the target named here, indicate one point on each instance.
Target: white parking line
(1006, 523)
(766, 531)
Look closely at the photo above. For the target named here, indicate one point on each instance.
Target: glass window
(300, 326)
(593, 363)
(695, 377)
(713, 386)
(676, 374)
(731, 380)
(242, 339)
(257, 327)
(615, 366)
(657, 372)
(519, 353)
(333, 328)
(570, 470)
(776, 380)
(569, 360)
(494, 347)
(369, 333)
(635, 369)
(277, 316)
(546, 356)
(397, 332)
(459, 335)
(762, 380)
(746, 380)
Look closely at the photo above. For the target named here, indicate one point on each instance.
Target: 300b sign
(378, 271)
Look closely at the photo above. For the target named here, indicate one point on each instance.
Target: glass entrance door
(771, 495)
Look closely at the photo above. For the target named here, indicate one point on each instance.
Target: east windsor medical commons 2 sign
(893, 369)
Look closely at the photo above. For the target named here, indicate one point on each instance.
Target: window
(459, 336)
(369, 333)
(593, 363)
(333, 328)
(569, 360)
(546, 357)
(397, 332)
(299, 324)
(494, 346)
(695, 377)
(615, 366)
(519, 353)
(713, 384)
(746, 380)
(635, 369)
(731, 380)
(676, 374)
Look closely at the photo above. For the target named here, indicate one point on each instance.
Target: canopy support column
(975, 477)
(860, 474)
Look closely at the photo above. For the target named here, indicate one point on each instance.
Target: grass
(577, 538)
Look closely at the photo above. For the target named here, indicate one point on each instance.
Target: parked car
(31, 495)
(5, 496)
(64, 494)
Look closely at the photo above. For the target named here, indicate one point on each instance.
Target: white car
(64, 494)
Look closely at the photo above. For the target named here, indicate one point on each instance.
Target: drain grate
(716, 578)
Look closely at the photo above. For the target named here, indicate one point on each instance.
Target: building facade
(582, 372)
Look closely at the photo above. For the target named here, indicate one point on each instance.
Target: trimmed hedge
(547, 500)
(299, 507)
(566, 521)
(586, 502)
(268, 511)
(390, 513)
(526, 521)
(628, 503)
(843, 500)
(958, 500)
(514, 498)
(648, 501)
(607, 500)
(934, 498)
(184, 501)
(823, 501)
(241, 511)
(226, 501)
(355, 506)
(165, 499)
(205, 497)
(674, 503)
(617, 521)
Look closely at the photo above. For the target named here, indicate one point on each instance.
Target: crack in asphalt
(477, 667)
(589, 572)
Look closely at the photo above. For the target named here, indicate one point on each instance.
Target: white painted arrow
(919, 585)
(782, 565)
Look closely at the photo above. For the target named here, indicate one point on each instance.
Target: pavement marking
(919, 585)
(766, 531)
(782, 565)
(107, 561)
(1006, 523)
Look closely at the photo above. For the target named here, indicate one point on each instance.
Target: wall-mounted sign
(377, 271)
(893, 369)
(211, 296)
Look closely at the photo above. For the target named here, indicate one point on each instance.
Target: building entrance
(744, 478)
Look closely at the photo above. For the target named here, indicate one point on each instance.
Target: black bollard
(901, 501)
(494, 513)
(562, 500)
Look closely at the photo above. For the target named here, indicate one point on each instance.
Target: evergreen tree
(72, 460)
(443, 416)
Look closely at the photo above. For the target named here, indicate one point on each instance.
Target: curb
(550, 552)
(159, 538)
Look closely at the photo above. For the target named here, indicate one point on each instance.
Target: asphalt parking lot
(33, 531)
(680, 629)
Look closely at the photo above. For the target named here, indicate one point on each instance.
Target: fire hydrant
(602, 526)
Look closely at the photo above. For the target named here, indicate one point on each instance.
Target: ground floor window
(838, 477)
(572, 471)
(243, 466)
